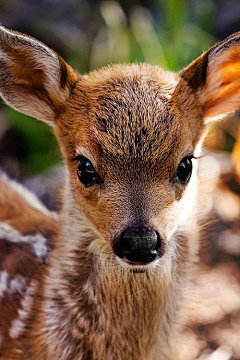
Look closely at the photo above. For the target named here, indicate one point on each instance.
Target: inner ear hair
(215, 78)
(34, 79)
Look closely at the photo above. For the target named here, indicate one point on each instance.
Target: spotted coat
(27, 231)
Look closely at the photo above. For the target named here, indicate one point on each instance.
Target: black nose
(138, 245)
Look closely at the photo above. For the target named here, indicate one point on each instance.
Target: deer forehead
(126, 111)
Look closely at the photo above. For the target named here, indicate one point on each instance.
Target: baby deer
(127, 242)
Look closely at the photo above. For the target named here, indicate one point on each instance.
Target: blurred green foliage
(172, 42)
(40, 146)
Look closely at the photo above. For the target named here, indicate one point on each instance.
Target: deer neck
(101, 309)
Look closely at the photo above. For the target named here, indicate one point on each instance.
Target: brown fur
(21, 225)
(135, 123)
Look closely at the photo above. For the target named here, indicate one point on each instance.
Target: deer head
(130, 136)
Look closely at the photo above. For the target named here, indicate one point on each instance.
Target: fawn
(126, 243)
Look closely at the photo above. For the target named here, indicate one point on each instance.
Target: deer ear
(33, 79)
(215, 78)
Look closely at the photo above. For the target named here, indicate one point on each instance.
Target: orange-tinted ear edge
(215, 78)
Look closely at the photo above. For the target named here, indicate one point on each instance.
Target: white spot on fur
(17, 284)
(10, 285)
(39, 245)
(18, 324)
(3, 282)
(38, 241)
(28, 196)
(16, 328)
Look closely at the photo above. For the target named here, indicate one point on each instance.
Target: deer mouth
(137, 267)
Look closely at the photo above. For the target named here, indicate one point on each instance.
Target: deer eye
(184, 170)
(86, 172)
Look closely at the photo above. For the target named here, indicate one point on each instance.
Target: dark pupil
(184, 170)
(86, 172)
